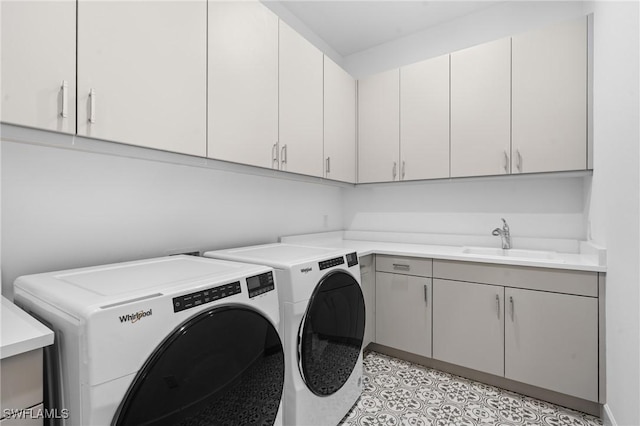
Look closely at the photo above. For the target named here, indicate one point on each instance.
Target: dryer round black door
(331, 333)
(224, 366)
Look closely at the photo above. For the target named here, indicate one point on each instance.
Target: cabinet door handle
(64, 109)
(519, 161)
(505, 163)
(511, 303)
(92, 106)
(498, 304)
(283, 154)
(404, 168)
(395, 170)
(426, 297)
(401, 266)
(328, 164)
(274, 154)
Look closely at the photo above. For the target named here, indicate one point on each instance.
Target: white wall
(545, 207)
(63, 208)
(614, 205)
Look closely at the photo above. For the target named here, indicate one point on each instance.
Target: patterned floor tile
(397, 392)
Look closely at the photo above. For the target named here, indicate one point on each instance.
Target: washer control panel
(260, 284)
(202, 297)
(352, 259)
(331, 263)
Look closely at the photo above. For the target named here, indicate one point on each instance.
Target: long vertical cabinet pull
(328, 165)
(64, 108)
(498, 305)
(505, 164)
(274, 156)
(92, 106)
(426, 295)
(511, 303)
(519, 161)
(283, 155)
(395, 170)
(403, 170)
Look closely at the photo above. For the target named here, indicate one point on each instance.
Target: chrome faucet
(504, 235)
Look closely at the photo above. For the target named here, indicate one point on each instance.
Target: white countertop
(589, 258)
(20, 331)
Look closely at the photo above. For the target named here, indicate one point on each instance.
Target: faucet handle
(505, 226)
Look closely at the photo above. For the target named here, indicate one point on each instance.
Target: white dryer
(323, 319)
(173, 340)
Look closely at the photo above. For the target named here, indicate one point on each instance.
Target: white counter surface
(20, 331)
(588, 257)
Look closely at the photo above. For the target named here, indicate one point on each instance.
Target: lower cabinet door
(403, 312)
(468, 325)
(551, 341)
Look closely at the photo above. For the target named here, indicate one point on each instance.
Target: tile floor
(397, 392)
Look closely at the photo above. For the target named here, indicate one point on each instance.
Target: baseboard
(607, 416)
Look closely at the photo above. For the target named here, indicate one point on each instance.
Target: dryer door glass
(223, 366)
(331, 333)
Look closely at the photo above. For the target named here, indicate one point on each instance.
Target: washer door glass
(224, 366)
(331, 333)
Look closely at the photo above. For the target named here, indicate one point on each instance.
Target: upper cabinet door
(550, 99)
(480, 109)
(142, 73)
(301, 69)
(424, 119)
(379, 127)
(39, 64)
(243, 83)
(339, 123)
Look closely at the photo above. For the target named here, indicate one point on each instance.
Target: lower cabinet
(536, 326)
(22, 389)
(551, 341)
(468, 325)
(403, 312)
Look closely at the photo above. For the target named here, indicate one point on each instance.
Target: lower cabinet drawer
(404, 265)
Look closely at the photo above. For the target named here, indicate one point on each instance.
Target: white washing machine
(173, 340)
(323, 318)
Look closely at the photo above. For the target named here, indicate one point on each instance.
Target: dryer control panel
(260, 284)
(202, 297)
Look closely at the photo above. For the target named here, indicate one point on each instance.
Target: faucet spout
(504, 234)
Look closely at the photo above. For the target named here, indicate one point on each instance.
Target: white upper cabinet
(379, 127)
(339, 123)
(481, 109)
(300, 109)
(243, 83)
(424, 119)
(550, 99)
(142, 73)
(39, 64)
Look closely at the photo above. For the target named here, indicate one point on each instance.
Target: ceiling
(352, 26)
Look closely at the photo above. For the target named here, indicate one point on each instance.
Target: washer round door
(331, 333)
(224, 366)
